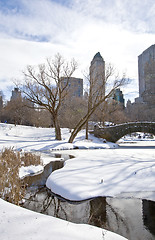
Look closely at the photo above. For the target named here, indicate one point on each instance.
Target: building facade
(118, 97)
(74, 86)
(97, 74)
(146, 72)
(143, 109)
(16, 93)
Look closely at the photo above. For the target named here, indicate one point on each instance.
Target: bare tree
(42, 118)
(110, 111)
(44, 86)
(16, 111)
(140, 112)
(98, 94)
(71, 111)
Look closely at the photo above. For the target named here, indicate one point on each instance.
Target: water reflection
(131, 218)
(126, 217)
(149, 215)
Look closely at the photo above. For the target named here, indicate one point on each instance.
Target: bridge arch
(114, 133)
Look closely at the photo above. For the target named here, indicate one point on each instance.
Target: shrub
(29, 158)
(11, 188)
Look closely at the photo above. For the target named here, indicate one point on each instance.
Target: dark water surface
(131, 218)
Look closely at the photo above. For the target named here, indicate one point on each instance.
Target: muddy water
(131, 218)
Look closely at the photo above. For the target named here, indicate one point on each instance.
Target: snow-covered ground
(110, 172)
(17, 223)
(103, 170)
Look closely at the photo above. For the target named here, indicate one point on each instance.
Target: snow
(17, 223)
(98, 169)
(108, 172)
(43, 139)
(30, 170)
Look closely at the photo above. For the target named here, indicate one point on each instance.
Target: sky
(31, 31)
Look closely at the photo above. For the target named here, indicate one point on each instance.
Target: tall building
(118, 96)
(16, 93)
(1, 100)
(75, 86)
(146, 71)
(143, 109)
(97, 73)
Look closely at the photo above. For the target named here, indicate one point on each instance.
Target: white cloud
(132, 14)
(119, 29)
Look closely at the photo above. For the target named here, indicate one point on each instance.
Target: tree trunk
(57, 129)
(73, 134)
(87, 130)
(83, 121)
(91, 110)
(78, 128)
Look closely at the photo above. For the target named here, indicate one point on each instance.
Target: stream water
(131, 218)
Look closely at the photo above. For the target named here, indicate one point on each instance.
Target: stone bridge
(114, 133)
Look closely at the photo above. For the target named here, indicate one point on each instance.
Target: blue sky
(31, 30)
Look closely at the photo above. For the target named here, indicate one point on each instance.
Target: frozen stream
(131, 217)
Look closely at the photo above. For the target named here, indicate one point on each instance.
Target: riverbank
(102, 170)
(110, 172)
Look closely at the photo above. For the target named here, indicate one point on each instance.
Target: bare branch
(43, 85)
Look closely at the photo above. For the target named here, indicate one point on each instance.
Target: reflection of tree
(46, 202)
(119, 220)
(108, 213)
(59, 210)
(42, 201)
(98, 212)
(149, 215)
(102, 214)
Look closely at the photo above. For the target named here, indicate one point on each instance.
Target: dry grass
(28, 159)
(11, 188)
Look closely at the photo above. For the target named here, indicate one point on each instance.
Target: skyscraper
(97, 74)
(146, 71)
(16, 93)
(118, 96)
(74, 86)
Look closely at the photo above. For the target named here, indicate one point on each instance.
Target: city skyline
(30, 31)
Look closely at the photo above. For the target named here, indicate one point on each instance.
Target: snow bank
(105, 173)
(30, 170)
(17, 223)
